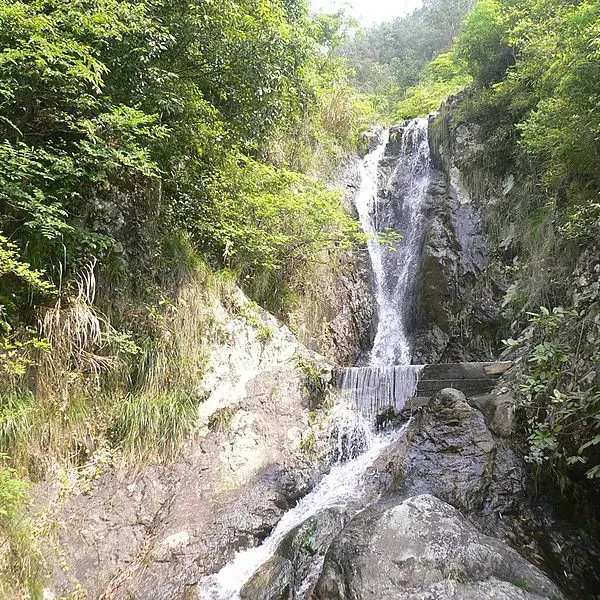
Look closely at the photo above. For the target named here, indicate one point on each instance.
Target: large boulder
(297, 560)
(424, 549)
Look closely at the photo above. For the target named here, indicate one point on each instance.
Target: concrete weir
(472, 378)
(382, 383)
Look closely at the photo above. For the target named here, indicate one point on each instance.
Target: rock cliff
(459, 316)
(150, 532)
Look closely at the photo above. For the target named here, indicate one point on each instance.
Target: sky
(368, 11)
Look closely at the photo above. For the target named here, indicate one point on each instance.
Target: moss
(219, 420)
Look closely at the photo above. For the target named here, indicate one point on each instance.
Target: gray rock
(306, 545)
(273, 581)
(498, 410)
(461, 286)
(448, 397)
(154, 533)
(423, 548)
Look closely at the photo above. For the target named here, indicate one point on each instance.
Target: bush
(560, 392)
(483, 43)
(21, 568)
(443, 77)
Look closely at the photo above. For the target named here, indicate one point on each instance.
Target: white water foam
(372, 389)
(344, 483)
(395, 266)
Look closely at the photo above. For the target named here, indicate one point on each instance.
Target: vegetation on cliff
(152, 154)
(141, 141)
(536, 67)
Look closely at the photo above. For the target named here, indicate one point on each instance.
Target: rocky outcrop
(152, 532)
(451, 453)
(449, 518)
(459, 297)
(336, 311)
(423, 548)
(335, 317)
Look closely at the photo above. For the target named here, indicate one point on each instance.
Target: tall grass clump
(35, 432)
(93, 382)
(153, 426)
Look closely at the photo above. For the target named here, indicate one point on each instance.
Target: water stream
(388, 380)
(398, 205)
(342, 486)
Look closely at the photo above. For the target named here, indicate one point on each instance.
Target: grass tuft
(152, 426)
(21, 564)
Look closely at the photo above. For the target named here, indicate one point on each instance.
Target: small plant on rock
(315, 382)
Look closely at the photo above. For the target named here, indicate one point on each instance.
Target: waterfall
(399, 206)
(389, 379)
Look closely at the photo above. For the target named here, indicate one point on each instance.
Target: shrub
(560, 391)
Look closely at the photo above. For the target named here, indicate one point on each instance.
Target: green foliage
(548, 96)
(560, 62)
(21, 569)
(534, 107)
(561, 390)
(483, 43)
(442, 77)
(316, 382)
(12, 493)
(123, 120)
(11, 265)
(536, 126)
(33, 431)
(308, 443)
(151, 426)
(144, 144)
(388, 59)
(17, 356)
(269, 221)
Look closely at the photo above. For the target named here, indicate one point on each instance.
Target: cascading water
(398, 207)
(341, 488)
(389, 380)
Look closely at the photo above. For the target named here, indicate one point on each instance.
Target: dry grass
(94, 383)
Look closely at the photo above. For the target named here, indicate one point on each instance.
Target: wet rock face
(423, 548)
(336, 314)
(458, 312)
(453, 455)
(272, 582)
(297, 560)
